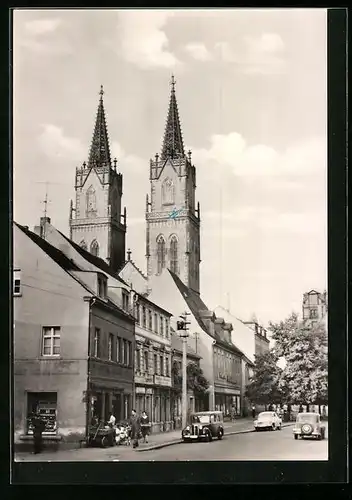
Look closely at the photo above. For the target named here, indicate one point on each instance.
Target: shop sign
(140, 390)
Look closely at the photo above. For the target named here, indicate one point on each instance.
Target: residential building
(262, 343)
(96, 221)
(194, 403)
(72, 345)
(153, 363)
(314, 307)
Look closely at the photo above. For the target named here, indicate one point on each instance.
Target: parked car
(308, 425)
(268, 420)
(204, 425)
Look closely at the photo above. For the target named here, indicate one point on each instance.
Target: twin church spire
(173, 143)
(99, 154)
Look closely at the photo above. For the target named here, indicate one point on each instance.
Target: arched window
(161, 253)
(94, 248)
(91, 202)
(83, 245)
(168, 192)
(173, 254)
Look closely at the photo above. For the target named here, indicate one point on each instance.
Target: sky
(251, 87)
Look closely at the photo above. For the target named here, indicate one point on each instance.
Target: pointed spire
(173, 142)
(99, 154)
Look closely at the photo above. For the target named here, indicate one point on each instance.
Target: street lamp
(182, 328)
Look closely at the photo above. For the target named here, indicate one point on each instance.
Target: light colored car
(268, 420)
(308, 425)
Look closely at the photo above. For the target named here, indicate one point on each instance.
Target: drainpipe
(91, 302)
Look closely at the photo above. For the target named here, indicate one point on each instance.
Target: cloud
(42, 26)
(55, 144)
(144, 41)
(255, 55)
(231, 153)
(198, 51)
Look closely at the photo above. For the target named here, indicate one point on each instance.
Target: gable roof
(135, 266)
(96, 261)
(68, 265)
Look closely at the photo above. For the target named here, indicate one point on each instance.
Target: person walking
(38, 429)
(233, 413)
(135, 428)
(145, 426)
(253, 411)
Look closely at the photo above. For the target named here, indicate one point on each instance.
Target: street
(278, 445)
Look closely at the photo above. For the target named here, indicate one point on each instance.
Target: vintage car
(204, 425)
(308, 425)
(268, 420)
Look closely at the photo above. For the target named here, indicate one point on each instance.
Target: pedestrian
(112, 421)
(253, 411)
(145, 426)
(135, 428)
(38, 429)
(233, 413)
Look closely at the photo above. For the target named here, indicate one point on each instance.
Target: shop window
(51, 341)
(110, 346)
(17, 283)
(97, 346)
(46, 404)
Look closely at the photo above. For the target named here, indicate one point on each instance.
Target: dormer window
(102, 287)
(125, 301)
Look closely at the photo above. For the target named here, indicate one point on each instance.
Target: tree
(263, 387)
(305, 350)
(195, 379)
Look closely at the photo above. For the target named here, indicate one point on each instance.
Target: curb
(179, 441)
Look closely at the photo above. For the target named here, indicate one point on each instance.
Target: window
(138, 316)
(166, 328)
(144, 317)
(313, 313)
(150, 319)
(161, 365)
(156, 364)
(117, 346)
(167, 367)
(94, 248)
(91, 202)
(138, 360)
(125, 352)
(156, 323)
(125, 301)
(161, 326)
(110, 346)
(46, 404)
(161, 253)
(130, 353)
(83, 245)
(101, 287)
(96, 343)
(128, 359)
(51, 341)
(119, 350)
(17, 282)
(173, 254)
(167, 192)
(146, 364)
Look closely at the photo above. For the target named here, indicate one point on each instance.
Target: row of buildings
(93, 334)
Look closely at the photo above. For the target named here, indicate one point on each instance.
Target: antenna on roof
(45, 210)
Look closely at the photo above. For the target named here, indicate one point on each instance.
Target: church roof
(99, 154)
(96, 261)
(173, 142)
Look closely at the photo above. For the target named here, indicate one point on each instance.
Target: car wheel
(209, 437)
(273, 427)
(279, 428)
(220, 434)
(295, 436)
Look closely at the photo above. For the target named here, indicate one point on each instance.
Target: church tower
(96, 223)
(173, 220)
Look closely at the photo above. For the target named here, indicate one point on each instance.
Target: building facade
(153, 363)
(172, 217)
(66, 336)
(314, 307)
(96, 221)
(262, 343)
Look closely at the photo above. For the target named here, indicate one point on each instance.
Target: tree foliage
(263, 387)
(195, 378)
(305, 350)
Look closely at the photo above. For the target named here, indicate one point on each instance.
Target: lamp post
(182, 328)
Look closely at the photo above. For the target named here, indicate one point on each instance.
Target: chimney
(40, 230)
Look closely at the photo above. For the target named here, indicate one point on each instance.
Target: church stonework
(173, 220)
(96, 223)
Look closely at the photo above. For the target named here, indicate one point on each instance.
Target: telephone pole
(182, 328)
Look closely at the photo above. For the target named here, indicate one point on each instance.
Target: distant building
(262, 343)
(73, 346)
(314, 307)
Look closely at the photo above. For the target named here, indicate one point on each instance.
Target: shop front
(226, 400)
